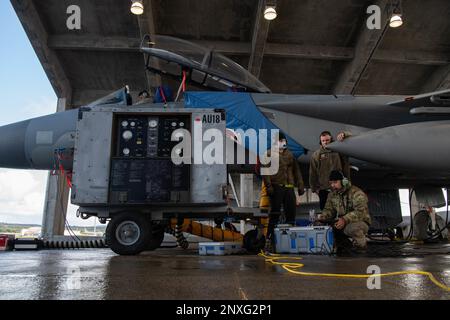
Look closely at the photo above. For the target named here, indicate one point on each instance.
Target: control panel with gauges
(142, 170)
(148, 136)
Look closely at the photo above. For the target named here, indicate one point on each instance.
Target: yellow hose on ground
(292, 266)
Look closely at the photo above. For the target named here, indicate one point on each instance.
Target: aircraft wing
(433, 99)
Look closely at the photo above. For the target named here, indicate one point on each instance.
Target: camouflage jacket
(323, 161)
(351, 203)
(288, 172)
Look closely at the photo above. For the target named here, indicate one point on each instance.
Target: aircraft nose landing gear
(254, 241)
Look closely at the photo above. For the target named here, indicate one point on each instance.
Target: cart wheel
(128, 233)
(251, 242)
(156, 238)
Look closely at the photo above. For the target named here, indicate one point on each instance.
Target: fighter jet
(396, 142)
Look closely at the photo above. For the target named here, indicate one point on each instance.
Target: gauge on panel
(127, 135)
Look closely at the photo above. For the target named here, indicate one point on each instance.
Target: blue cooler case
(318, 239)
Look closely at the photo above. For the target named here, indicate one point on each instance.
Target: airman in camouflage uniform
(280, 186)
(323, 161)
(347, 205)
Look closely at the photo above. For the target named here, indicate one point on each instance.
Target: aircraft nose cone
(339, 147)
(12, 146)
(417, 146)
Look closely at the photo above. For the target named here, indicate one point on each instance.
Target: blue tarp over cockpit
(241, 112)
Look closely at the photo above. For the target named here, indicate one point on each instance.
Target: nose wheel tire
(252, 243)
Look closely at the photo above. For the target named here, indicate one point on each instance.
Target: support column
(246, 190)
(56, 199)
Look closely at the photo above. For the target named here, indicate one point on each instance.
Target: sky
(26, 93)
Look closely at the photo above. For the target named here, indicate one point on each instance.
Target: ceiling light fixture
(270, 13)
(137, 7)
(396, 17)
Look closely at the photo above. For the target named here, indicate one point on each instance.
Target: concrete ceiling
(314, 46)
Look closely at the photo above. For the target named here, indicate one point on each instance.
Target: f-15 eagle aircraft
(396, 142)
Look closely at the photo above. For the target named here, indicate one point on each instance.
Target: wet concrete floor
(182, 274)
